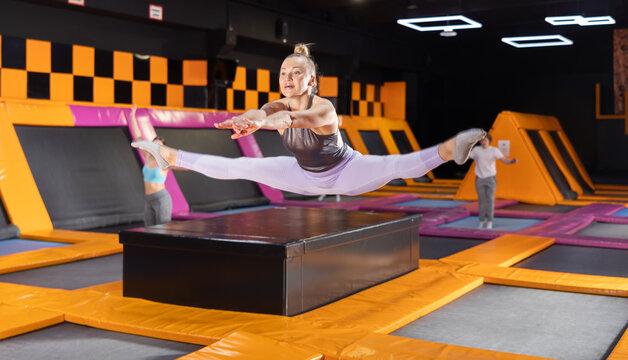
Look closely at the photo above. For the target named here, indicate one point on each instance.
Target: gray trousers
(157, 208)
(486, 197)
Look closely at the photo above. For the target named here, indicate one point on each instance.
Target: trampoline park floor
(489, 316)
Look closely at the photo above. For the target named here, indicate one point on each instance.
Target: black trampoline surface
(553, 324)
(71, 341)
(605, 230)
(82, 185)
(579, 260)
(541, 208)
(70, 276)
(204, 193)
(436, 247)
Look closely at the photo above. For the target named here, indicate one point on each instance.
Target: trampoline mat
(553, 324)
(436, 247)
(541, 208)
(605, 230)
(623, 212)
(13, 246)
(71, 341)
(72, 275)
(579, 260)
(499, 223)
(431, 203)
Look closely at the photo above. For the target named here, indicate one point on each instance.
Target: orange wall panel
(38, 56)
(328, 86)
(393, 95)
(123, 65)
(195, 72)
(61, 87)
(141, 93)
(13, 83)
(263, 80)
(174, 95)
(158, 70)
(103, 90)
(83, 60)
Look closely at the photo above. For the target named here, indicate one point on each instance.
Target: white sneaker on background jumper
(489, 225)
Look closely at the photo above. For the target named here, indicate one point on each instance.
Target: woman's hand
(243, 127)
(240, 125)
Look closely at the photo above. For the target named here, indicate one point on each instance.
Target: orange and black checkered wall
(366, 100)
(37, 69)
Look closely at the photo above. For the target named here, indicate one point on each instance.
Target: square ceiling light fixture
(580, 20)
(537, 41)
(440, 23)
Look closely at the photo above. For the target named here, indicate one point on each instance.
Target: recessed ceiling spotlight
(537, 41)
(442, 23)
(448, 33)
(580, 20)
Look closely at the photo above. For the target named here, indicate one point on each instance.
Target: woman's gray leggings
(157, 208)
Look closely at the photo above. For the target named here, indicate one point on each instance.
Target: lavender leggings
(356, 174)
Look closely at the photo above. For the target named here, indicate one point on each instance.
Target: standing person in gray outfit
(157, 204)
(486, 181)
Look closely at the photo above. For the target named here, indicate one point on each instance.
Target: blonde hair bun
(302, 49)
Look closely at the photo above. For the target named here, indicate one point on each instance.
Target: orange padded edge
(51, 256)
(242, 345)
(549, 280)
(620, 352)
(22, 201)
(39, 112)
(505, 250)
(18, 320)
(393, 304)
(377, 346)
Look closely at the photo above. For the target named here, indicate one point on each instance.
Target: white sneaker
(482, 224)
(489, 225)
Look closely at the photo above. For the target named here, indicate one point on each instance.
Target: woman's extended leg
(370, 172)
(366, 173)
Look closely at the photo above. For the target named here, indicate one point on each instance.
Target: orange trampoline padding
(505, 250)
(112, 288)
(39, 112)
(57, 255)
(18, 189)
(242, 345)
(377, 347)
(397, 302)
(620, 352)
(549, 280)
(18, 320)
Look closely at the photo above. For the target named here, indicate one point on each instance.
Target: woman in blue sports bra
(157, 204)
(308, 124)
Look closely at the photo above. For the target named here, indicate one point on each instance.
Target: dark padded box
(277, 261)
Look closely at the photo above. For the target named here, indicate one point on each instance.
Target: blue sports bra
(153, 175)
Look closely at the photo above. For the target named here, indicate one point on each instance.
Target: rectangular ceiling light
(440, 23)
(537, 41)
(580, 20)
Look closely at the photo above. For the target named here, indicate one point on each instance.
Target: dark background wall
(452, 83)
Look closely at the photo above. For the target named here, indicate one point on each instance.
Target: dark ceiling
(499, 17)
